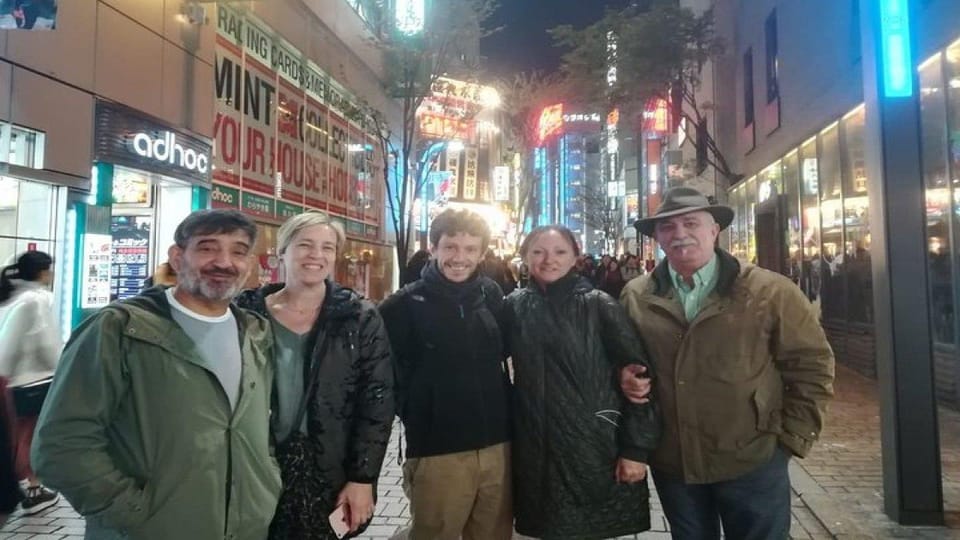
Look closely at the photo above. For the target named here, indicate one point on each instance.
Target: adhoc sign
(126, 137)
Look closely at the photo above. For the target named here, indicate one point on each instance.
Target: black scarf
(457, 292)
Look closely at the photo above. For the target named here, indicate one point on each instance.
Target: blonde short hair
(293, 226)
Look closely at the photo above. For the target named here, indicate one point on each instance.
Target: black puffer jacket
(452, 385)
(351, 414)
(571, 421)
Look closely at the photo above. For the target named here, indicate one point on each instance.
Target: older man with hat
(744, 373)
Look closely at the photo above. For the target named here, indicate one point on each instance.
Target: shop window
(811, 270)
(942, 163)
(27, 218)
(21, 146)
(740, 220)
(750, 207)
(831, 225)
(791, 211)
(856, 219)
(749, 127)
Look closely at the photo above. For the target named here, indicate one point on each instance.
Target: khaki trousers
(465, 494)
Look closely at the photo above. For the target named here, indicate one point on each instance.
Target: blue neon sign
(896, 54)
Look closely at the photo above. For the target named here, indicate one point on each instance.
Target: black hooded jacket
(351, 413)
(452, 384)
(571, 421)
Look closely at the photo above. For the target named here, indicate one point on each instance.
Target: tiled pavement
(837, 489)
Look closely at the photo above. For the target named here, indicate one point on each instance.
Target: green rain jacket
(141, 438)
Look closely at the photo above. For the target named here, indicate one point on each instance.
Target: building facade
(791, 120)
(570, 178)
(129, 115)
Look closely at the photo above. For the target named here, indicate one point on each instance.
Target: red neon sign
(551, 120)
(656, 116)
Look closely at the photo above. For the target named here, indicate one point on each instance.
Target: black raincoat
(571, 421)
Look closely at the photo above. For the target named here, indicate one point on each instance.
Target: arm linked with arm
(641, 425)
(70, 447)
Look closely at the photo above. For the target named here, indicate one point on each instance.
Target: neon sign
(656, 116)
(551, 120)
(896, 54)
(168, 150)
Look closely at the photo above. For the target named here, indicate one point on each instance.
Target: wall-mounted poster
(95, 275)
(28, 14)
(130, 254)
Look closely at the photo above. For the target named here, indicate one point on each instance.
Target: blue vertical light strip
(562, 182)
(896, 52)
(544, 186)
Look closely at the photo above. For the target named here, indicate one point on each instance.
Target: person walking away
(338, 416)
(452, 388)
(579, 447)
(157, 422)
(30, 347)
(745, 373)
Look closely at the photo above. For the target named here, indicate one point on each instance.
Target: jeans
(755, 506)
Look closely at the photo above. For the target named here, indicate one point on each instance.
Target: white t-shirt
(218, 340)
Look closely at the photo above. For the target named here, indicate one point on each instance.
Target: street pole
(912, 481)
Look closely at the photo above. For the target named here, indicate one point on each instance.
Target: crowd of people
(198, 410)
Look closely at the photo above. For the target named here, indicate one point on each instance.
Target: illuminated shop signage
(167, 149)
(896, 54)
(127, 137)
(551, 121)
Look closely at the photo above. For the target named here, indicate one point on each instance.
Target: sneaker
(38, 499)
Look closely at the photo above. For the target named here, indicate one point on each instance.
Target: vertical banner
(337, 192)
(453, 165)
(470, 173)
(357, 172)
(375, 182)
(501, 183)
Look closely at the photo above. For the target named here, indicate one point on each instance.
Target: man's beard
(193, 282)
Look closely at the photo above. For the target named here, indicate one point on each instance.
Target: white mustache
(683, 243)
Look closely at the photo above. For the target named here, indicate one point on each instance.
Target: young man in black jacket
(452, 388)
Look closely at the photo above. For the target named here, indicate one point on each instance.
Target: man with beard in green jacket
(157, 422)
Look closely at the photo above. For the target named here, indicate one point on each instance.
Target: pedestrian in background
(631, 269)
(453, 388)
(333, 397)
(415, 267)
(30, 346)
(745, 373)
(157, 423)
(613, 281)
(579, 447)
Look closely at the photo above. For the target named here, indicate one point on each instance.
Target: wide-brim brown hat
(683, 200)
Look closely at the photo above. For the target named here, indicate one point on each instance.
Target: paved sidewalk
(837, 489)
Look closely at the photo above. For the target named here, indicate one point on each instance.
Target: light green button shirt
(704, 281)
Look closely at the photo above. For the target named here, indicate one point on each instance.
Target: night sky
(524, 44)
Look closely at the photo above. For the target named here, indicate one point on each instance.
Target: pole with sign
(912, 483)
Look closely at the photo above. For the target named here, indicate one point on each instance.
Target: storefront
(807, 216)
(289, 139)
(34, 206)
(940, 129)
(146, 178)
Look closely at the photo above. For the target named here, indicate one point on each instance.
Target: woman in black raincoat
(579, 448)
